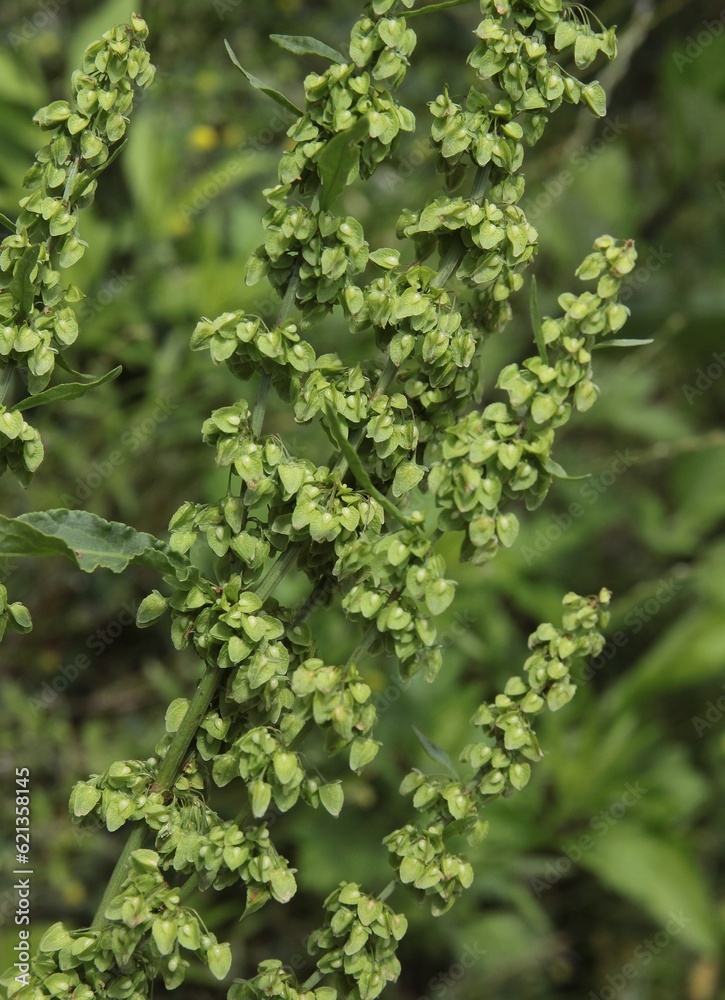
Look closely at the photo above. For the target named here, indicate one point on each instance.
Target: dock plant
(424, 441)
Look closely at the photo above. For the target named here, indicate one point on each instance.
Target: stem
(167, 773)
(133, 843)
(288, 304)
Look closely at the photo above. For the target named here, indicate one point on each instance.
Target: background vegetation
(607, 876)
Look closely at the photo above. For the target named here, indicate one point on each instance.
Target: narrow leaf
(622, 343)
(536, 320)
(258, 85)
(433, 7)
(555, 470)
(306, 45)
(68, 390)
(89, 541)
(436, 753)
(7, 223)
(337, 158)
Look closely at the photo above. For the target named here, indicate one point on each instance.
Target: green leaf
(362, 752)
(433, 7)
(22, 287)
(435, 752)
(536, 320)
(611, 343)
(282, 884)
(407, 477)
(219, 960)
(84, 798)
(150, 609)
(595, 98)
(7, 223)
(306, 45)
(258, 85)
(55, 938)
(660, 877)
(175, 714)
(164, 935)
(68, 390)
(555, 470)
(260, 794)
(337, 159)
(89, 541)
(332, 797)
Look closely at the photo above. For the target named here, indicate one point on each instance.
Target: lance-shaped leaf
(67, 390)
(89, 541)
(306, 45)
(258, 85)
(436, 753)
(555, 470)
(337, 159)
(622, 343)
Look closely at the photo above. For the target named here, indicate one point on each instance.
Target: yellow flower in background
(203, 138)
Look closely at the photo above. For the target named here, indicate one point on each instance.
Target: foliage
(374, 564)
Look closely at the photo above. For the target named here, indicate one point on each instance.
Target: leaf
(362, 752)
(22, 287)
(306, 45)
(336, 159)
(595, 98)
(7, 223)
(332, 797)
(283, 884)
(661, 877)
(433, 7)
(68, 390)
(407, 477)
(175, 714)
(435, 752)
(555, 470)
(84, 798)
(337, 434)
(619, 343)
(258, 85)
(219, 960)
(89, 541)
(536, 320)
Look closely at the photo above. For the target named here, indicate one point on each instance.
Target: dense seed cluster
(415, 456)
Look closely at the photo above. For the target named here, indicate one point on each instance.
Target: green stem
(167, 773)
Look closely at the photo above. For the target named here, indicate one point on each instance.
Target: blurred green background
(606, 877)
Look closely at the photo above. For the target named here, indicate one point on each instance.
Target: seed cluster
(415, 456)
